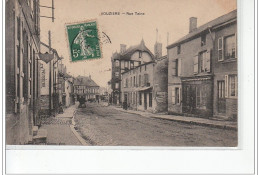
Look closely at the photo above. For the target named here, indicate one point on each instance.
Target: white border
(176, 161)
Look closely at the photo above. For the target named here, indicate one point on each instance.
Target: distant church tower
(157, 47)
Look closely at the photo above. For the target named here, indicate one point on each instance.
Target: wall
(146, 57)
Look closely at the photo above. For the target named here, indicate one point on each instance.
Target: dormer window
(203, 40)
(140, 54)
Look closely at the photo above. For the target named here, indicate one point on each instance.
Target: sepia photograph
(153, 73)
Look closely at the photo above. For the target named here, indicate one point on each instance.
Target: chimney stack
(193, 24)
(158, 50)
(89, 76)
(122, 48)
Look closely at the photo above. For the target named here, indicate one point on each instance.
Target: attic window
(140, 54)
(203, 39)
(178, 49)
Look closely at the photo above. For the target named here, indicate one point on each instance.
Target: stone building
(144, 79)
(125, 60)
(22, 29)
(192, 65)
(87, 87)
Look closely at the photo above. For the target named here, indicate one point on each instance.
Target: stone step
(41, 137)
(35, 130)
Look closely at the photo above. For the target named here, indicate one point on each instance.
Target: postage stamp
(83, 40)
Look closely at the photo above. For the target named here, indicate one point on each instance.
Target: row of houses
(197, 77)
(37, 82)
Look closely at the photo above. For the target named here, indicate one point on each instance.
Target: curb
(187, 122)
(72, 127)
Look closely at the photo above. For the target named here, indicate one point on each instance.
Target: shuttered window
(207, 61)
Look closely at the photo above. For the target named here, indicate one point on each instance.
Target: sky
(168, 16)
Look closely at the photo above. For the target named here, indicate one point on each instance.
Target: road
(105, 126)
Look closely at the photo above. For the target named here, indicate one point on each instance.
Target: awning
(145, 88)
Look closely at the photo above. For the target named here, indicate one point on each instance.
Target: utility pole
(50, 84)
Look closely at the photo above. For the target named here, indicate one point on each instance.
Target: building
(225, 68)
(85, 86)
(144, 79)
(49, 63)
(192, 66)
(125, 60)
(66, 87)
(22, 69)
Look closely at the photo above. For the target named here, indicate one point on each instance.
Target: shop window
(201, 97)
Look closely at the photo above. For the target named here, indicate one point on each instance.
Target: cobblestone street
(104, 125)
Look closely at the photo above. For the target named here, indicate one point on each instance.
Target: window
(131, 79)
(140, 68)
(201, 62)
(176, 95)
(178, 49)
(140, 98)
(146, 79)
(134, 82)
(126, 82)
(144, 67)
(117, 85)
(230, 47)
(203, 40)
(117, 63)
(117, 74)
(221, 89)
(231, 86)
(227, 48)
(150, 99)
(201, 97)
(140, 54)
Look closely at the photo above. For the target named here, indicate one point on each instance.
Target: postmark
(83, 40)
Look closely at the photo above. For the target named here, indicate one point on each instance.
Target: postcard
(121, 73)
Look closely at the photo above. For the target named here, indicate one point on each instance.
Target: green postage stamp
(83, 38)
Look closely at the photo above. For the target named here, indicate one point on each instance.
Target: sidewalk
(183, 119)
(60, 128)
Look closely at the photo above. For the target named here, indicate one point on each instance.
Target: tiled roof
(140, 47)
(218, 21)
(84, 81)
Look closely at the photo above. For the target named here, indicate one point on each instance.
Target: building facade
(86, 87)
(192, 69)
(225, 69)
(22, 69)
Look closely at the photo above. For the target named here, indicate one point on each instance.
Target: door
(221, 97)
(145, 101)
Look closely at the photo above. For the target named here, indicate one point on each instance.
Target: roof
(218, 21)
(84, 81)
(140, 47)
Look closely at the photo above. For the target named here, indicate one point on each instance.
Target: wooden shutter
(179, 67)
(195, 64)
(173, 96)
(226, 86)
(174, 67)
(207, 61)
(220, 49)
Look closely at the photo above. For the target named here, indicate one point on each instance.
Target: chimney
(89, 76)
(158, 50)
(122, 48)
(193, 24)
